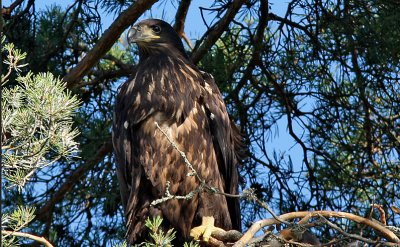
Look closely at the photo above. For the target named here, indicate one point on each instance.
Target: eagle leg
(205, 229)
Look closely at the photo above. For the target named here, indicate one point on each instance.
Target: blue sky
(194, 26)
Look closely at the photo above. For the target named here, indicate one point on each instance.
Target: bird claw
(205, 229)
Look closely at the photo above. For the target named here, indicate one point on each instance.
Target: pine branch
(106, 41)
(41, 240)
(44, 212)
(215, 32)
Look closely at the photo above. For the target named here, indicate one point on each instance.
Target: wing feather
(226, 138)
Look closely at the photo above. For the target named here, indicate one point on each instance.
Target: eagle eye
(156, 29)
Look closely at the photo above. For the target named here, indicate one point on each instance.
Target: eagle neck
(159, 49)
(168, 63)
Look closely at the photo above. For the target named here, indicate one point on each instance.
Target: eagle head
(154, 37)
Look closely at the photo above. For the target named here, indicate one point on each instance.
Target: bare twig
(181, 153)
(381, 212)
(203, 186)
(168, 196)
(248, 193)
(354, 236)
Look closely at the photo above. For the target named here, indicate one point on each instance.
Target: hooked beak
(140, 34)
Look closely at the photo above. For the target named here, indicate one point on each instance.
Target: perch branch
(386, 233)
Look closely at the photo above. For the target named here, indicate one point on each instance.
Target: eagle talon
(205, 229)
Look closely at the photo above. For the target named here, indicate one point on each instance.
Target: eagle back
(162, 84)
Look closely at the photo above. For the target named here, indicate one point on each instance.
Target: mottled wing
(122, 143)
(130, 111)
(227, 144)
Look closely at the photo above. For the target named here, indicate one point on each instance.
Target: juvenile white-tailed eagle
(168, 89)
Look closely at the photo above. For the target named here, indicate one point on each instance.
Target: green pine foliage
(37, 120)
(16, 220)
(158, 237)
(37, 131)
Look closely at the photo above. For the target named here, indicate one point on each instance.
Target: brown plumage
(168, 89)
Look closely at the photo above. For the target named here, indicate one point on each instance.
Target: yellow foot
(206, 229)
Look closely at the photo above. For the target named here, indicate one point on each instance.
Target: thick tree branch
(44, 212)
(106, 41)
(180, 16)
(257, 49)
(213, 34)
(6, 11)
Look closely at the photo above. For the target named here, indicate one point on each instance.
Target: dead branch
(381, 230)
(381, 212)
(354, 236)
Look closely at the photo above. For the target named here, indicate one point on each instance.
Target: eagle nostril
(132, 33)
